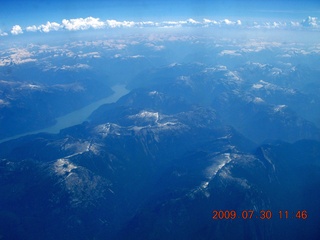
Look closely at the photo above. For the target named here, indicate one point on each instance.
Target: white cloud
(2, 34)
(170, 24)
(228, 22)
(295, 24)
(273, 25)
(128, 24)
(32, 28)
(49, 26)
(16, 29)
(310, 22)
(115, 23)
(148, 23)
(208, 21)
(95, 23)
(225, 22)
(82, 23)
(192, 21)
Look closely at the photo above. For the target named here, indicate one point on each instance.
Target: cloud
(228, 22)
(2, 34)
(295, 24)
(49, 26)
(77, 24)
(168, 24)
(225, 22)
(310, 22)
(82, 23)
(183, 23)
(115, 23)
(208, 21)
(192, 21)
(16, 29)
(32, 28)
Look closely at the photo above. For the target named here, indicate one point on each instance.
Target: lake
(78, 116)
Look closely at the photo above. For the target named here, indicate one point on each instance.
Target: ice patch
(174, 64)
(258, 100)
(233, 76)
(146, 115)
(218, 163)
(108, 128)
(136, 56)
(257, 86)
(279, 108)
(78, 147)
(32, 86)
(221, 68)
(2, 102)
(103, 129)
(153, 93)
(63, 166)
(229, 52)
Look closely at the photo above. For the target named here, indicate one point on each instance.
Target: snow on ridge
(3, 102)
(258, 100)
(210, 172)
(279, 108)
(233, 76)
(257, 86)
(152, 93)
(146, 115)
(230, 53)
(270, 86)
(31, 86)
(218, 163)
(63, 166)
(108, 128)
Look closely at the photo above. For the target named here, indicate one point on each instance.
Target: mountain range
(187, 140)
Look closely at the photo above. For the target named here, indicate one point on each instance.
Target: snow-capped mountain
(154, 164)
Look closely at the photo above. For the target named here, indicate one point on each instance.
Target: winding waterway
(78, 116)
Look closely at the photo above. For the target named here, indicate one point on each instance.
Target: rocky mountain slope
(155, 165)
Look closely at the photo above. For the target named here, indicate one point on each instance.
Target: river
(78, 116)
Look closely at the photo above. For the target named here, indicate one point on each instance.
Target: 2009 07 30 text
(262, 214)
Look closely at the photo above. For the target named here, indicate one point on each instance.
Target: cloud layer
(78, 24)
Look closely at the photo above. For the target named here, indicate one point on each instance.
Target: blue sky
(17, 10)
(26, 13)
